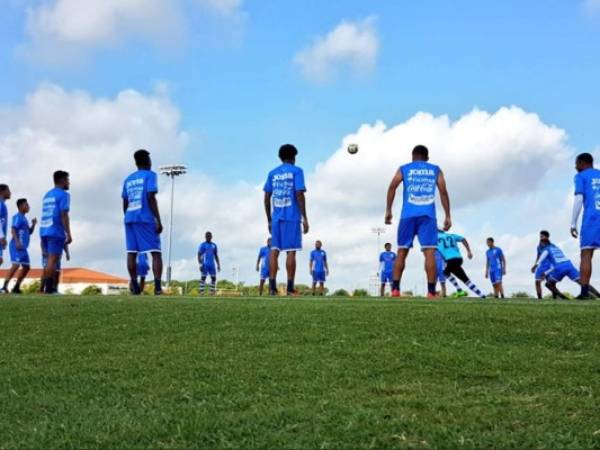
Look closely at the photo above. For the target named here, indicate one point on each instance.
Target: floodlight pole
(378, 231)
(171, 171)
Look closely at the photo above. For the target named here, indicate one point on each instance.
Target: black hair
(21, 201)
(3, 187)
(585, 158)
(545, 233)
(490, 239)
(142, 157)
(287, 152)
(60, 176)
(386, 244)
(421, 151)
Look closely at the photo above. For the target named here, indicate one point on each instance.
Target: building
(75, 280)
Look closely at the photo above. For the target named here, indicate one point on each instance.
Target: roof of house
(76, 275)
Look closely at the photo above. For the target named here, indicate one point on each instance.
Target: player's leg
(142, 284)
(462, 276)
(407, 230)
(443, 288)
(382, 290)
(22, 274)
(50, 273)
(274, 256)
(213, 281)
(132, 246)
(290, 265)
(157, 270)
(586, 271)
(430, 270)
(427, 232)
(9, 276)
(314, 283)
(449, 274)
(551, 285)
(261, 286)
(322, 293)
(538, 289)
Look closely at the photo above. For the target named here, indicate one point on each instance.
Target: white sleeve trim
(542, 257)
(577, 206)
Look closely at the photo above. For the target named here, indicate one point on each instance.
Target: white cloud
(592, 6)
(351, 46)
(497, 167)
(64, 29)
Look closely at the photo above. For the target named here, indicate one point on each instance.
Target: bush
(92, 290)
(341, 293)
(520, 295)
(32, 288)
(360, 293)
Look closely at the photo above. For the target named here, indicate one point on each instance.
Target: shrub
(92, 290)
(360, 293)
(341, 293)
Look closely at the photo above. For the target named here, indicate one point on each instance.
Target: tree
(341, 293)
(92, 290)
(520, 294)
(32, 288)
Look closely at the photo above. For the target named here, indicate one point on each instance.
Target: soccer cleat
(431, 296)
(158, 292)
(17, 290)
(459, 294)
(584, 297)
(3, 291)
(396, 293)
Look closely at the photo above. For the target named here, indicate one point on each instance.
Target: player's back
(135, 190)
(587, 183)
(556, 255)
(283, 183)
(448, 245)
(54, 203)
(420, 183)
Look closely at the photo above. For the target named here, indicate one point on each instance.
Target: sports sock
(290, 286)
(452, 280)
(49, 285)
(395, 285)
(272, 285)
(213, 285)
(475, 289)
(431, 288)
(157, 285)
(135, 287)
(585, 290)
(203, 284)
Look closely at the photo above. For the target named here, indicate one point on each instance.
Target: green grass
(230, 373)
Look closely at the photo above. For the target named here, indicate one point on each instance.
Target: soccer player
(495, 267)
(448, 247)
(262, 265)
(318, 267)
(285, 207)
(207, 256)
(55, 227)
(542, 269)
(56, 272)
(440, 265)
(142, 220)
(19, 256)
(4, 195)
(418, 217)
(386, 266)
(561, 267)
(587, 196)
(142, 268)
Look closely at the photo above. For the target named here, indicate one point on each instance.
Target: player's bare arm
(468, 248)
(503, 265)
(217, 260)
(125, 205)
(302, 205)
(153, 204)
(391, 195)
(487, 268)
(32, 227)
(267, 201)
(66, 221)
(445, 199)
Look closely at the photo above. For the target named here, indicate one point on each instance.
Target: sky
(505, 94)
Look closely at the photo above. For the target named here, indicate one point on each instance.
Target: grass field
(177, 373)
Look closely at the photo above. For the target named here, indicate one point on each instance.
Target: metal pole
(170, 230)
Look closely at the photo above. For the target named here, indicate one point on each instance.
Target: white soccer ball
(353, 149)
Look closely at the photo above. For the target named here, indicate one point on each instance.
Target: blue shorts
(141, 237)
(208, 270)
(45, 263)
(590, 234)
(424, 227)
(564, 270)
(496, 276)
(386, 277)
(20, 257)
(53, 246)
(318, 277)
(286, 235)
(264, 273)
(142, 271)
(541, 272)
(440, 266)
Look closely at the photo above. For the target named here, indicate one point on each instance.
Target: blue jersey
(55, 202)
(21, 226)
(283, 183)
(318, 258)
(554, 256)
(263, 256)
(386, 259)
(545, 265)
(448, 245)
(136, 188)
(587, 183)
(3, 219)
(494, 257)
(208, 252)
(420, 183)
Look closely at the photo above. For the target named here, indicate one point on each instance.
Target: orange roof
(76, 275)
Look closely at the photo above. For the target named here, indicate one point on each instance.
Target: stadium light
(172, 171)
(378, 231)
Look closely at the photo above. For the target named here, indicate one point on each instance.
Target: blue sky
(240, 95)
(220, 84)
